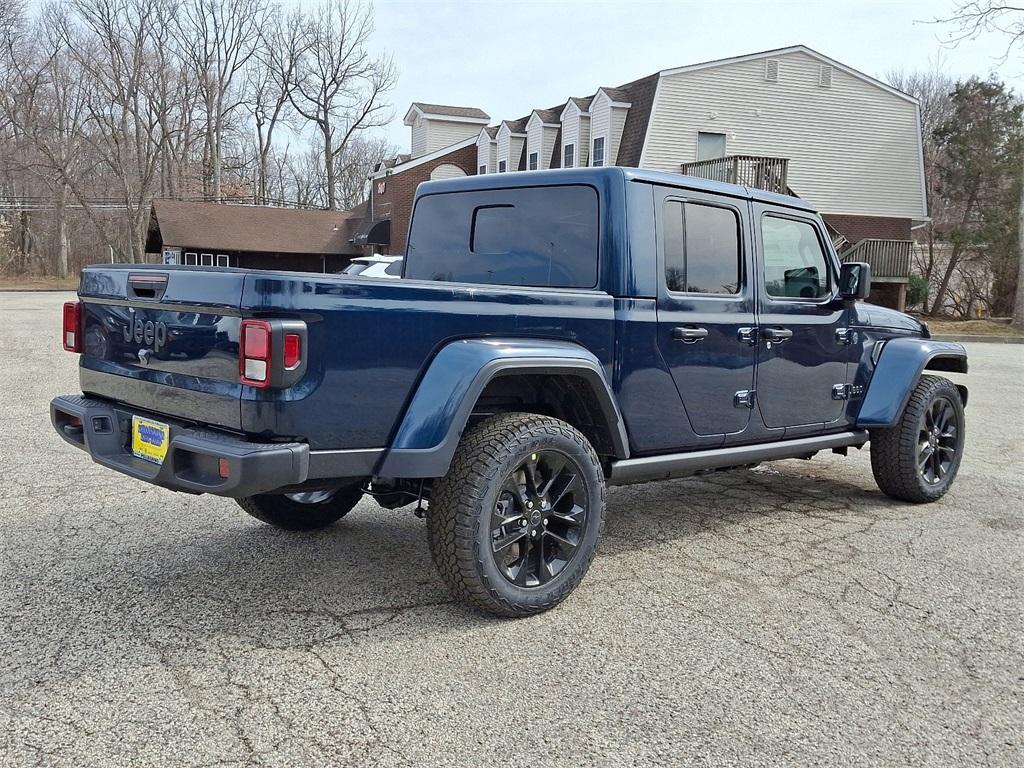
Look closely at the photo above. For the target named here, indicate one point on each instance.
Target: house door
(706, 308)
(803, 347)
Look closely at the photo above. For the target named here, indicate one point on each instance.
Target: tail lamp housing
(271, 353)
(72, 326)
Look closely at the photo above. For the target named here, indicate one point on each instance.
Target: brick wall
(400, 188)
(856, 228)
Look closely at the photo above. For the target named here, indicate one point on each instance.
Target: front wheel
(917, 459)
(303, 511)
(515, 523)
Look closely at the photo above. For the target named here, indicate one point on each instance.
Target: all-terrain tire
(459, 518)
(896, 451)
(279, 510)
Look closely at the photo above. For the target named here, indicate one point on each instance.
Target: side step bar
(682, 464)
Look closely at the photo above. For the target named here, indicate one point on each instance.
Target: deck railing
(768, 173)
(888, 258)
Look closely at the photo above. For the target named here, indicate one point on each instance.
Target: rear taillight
(292, 351)
(72, 326)
(254, 359)
(272, 353)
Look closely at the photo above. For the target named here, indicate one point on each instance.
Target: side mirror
(855, 280)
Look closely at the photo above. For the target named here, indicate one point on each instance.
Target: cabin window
(597, 156)
(702, 248)
(795, 265)
(537, 236)
(569, 156)
(533, 161)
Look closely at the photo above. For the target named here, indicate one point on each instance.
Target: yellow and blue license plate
(150, 439)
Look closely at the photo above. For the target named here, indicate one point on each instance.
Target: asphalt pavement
(786, 615)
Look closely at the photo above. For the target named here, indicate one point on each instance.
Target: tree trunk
(1018, 304)
(954, 257)
(62, 232)
(332, 181)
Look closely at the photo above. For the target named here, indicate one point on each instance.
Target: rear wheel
(917, 459)
(304, 511)
(515, 523)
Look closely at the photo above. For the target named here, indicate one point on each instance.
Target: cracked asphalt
(788, 615)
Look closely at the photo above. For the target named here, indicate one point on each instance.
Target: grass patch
(972, 328)
(38, 284)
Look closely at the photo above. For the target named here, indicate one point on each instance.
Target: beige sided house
(789, 120)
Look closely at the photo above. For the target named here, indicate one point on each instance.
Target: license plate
(150, 439)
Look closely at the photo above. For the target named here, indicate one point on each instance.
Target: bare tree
(270, 84)
(218, 37)
(340, 86)
(973, 18)
(126, 125)
(355, 164)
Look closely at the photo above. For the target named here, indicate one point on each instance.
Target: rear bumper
(103, 430)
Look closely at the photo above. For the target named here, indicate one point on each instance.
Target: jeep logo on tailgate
(152, 334)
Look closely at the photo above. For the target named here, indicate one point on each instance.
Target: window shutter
(771, 70)
(825, 76)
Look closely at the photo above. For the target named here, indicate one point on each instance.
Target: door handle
(689, 335)
(747, 335)
(776, 334)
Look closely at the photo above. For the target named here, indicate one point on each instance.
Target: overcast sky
(507, 57)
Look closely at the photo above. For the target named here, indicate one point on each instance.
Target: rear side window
(702, 248)
(536, 236)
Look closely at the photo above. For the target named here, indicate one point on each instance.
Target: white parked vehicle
(375, 266)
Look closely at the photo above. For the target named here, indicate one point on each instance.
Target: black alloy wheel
(937, 441)
(538, 520)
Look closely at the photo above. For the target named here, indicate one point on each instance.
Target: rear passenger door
(804, 344)
(706, 305)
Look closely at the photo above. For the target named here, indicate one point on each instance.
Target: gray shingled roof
(251, 228)
(640, 95)
(617, 94)
(551, 115)
(519, 125)
(444, 109)
(583, 102)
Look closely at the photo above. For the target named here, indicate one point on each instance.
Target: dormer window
(569, 156)
(597, 153)
(532, 161)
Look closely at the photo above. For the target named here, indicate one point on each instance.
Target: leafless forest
(106, 104)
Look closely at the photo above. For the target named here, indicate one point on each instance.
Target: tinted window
(394, 269)
(795, 266)
(702, 248)
(539, 236)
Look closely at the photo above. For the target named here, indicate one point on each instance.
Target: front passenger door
(803, 346)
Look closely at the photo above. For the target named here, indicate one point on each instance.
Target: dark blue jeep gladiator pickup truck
(553, 333)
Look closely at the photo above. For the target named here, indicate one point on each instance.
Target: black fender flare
(897, 372)
(437, 414)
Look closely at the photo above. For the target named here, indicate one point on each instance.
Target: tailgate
(164, 339)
